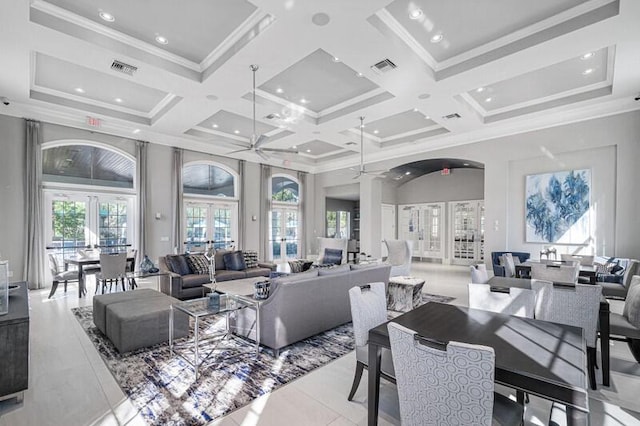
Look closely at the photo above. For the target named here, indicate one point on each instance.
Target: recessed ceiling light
(488, 99)
(407, 173)
(359, 74)
(426, 117)
(118, 100)
(308, 150)
(236, 132)
(161, 40)
(415, 110)
(480, 89)
(587, 71)
(279, 90)
(465, 164)
(294, 147)
(437, 38)
(304, 101)
(415, 14)
(106, 16)
(136, 131)
(212, 97)
(214, 125)
(586, 56)
(376, 132)
(336, 59)
(79, 89)
(424, 96)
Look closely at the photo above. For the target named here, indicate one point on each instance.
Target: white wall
(461, 184)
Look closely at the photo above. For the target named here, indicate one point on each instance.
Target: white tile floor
(70, 385)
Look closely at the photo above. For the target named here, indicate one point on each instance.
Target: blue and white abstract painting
(557, 207)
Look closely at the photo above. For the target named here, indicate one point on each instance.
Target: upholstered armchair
(332, 244)
(400, 252)
(498, 269)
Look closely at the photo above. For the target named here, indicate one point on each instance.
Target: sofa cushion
(367, 265)
(632, 303)
(257, 272)
(218, 258)
(234, 261)
(195, 280)
(296, 277)
(332, 256)
(334, 270)
(178, 264)
(250, 258)
(198, 263)
(226, 275)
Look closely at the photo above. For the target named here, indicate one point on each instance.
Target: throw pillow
(178, 264)
(219, 259)
(632, 303)
(479, 274)
(250, 258)
(296, 266)
(332, 256)
(617, 270)
(509, 266)
(198, 264)
(234, 261)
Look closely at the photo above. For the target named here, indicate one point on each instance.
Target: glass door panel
(291, 234)
(68, 226)
(275, 240)
(209, 224)
(112, 225)
(222, 227)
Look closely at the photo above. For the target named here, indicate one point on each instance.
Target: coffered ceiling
(425, 74)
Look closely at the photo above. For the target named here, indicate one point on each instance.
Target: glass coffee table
(200, 308)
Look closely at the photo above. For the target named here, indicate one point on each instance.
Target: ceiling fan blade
(239, 150)
(260, 141)
(285, 150)
(264, 156)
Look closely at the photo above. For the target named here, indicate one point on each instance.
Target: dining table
(541, 358)
(81, 262)
(603, 320)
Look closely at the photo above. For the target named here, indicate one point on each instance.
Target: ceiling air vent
(123, 68)
(453, 116)
(383, 66)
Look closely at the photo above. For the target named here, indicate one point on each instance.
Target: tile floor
(70, 385)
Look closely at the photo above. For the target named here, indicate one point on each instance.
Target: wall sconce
(158, 216)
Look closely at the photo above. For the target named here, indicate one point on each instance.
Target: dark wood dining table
(542, 358)
(603, 321)
(81, 262)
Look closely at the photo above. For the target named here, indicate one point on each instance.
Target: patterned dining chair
(447, 383)
(112, 268)
(563, 274)
(578, 306)
(59, 275)
(368, 310)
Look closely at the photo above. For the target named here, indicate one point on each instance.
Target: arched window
(208, 179)
(89, 196)
(284, 189)
(285, 218)
(210, 206)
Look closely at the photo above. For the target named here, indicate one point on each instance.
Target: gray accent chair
(332, 243)
(626, 327)
(615, 286)
(422, 365)
(578, 306)
(59, 275)
(368, 310)
(498, 269)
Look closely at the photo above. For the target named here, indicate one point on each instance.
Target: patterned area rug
(162, 386)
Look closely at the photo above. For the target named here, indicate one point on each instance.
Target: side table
(404, 293)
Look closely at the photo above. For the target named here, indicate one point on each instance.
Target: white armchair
(400, 252)
(332, 243)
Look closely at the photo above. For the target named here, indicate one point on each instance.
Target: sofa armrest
(171, 284)
(269, 265)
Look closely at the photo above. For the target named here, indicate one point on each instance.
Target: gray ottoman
(139, 323)
(100, 303)
(404, 293)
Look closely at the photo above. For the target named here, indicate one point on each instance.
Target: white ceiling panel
(317, 147)
(396, 124)
(234, 124)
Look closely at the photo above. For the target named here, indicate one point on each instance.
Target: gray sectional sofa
(304, 304)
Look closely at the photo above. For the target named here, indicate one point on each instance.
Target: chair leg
(634, 345)
(65, 286)
(122, 281)
(591, 360)
(54, 287)
(356, 380)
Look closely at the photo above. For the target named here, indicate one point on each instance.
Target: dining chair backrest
(112, 265)
(511, 301)
(543, 291)
(54, 266)
(368, 310)
(577, 305)
(566, 274)
(400, 255)
(479, 273)
(582, 259)
(449, 383)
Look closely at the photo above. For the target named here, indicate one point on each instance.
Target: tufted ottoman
(404, 293)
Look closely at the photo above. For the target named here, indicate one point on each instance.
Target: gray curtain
(34, 253)
(242, 207)
(265, 209)
(176, 200)
(141, 178)
(302, 218)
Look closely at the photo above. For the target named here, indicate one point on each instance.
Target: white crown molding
(169, 97)
(90, 25)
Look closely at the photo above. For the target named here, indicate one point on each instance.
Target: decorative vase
(146, 265)
(4, 287)
(261, 290)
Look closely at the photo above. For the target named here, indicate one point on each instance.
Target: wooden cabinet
(14, 345)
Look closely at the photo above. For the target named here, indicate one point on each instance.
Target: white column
(370, 215)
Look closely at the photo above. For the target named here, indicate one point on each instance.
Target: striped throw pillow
(250, 258)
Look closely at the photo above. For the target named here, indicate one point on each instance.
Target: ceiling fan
(361, 171)
(257, 141)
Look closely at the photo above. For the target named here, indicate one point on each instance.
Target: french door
(79, 220)
(213, 223)
(283, 235)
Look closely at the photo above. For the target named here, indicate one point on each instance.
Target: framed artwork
(557, 207)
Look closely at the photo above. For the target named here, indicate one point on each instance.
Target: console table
(14, 352)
